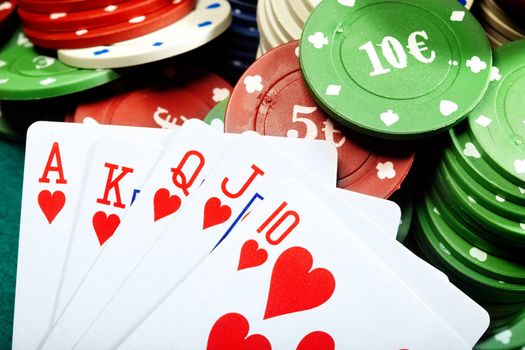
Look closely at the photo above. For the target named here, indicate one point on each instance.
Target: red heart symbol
(317, 341)
(51, 203)
(230, 333)
(105, 225)
(251, 255)
(165, 204)
(215, 213)
(294, 287)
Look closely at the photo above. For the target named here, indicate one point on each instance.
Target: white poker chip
(266, 28)
(209, 19)
(284, 19)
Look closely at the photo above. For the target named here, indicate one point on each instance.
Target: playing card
(292, 276)
(117, 170)
(56, 156)
(179, 171)
(249, 169)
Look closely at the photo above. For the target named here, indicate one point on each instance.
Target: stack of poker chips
(470, 220)
(502, 20)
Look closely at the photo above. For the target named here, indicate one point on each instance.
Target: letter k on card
(115, 176)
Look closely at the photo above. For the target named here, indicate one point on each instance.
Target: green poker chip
(474, 162)
(510, 338)
(495, 203)
(472, 256)
(400, 76)
(499, 228)
(468, 229)
(471, 281)
(498, 122)
(215, 116)
(27, 74)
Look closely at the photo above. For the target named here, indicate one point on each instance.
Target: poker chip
(26, 73)
(115, 32)
(497, 122)
(54, 6)
(215, 116)
(509, 338)
(467, 3)
(273, 100)
(470, 219)
(388, 98)
(486, 263)
(164, 105)
(497, 227)
(467, 153)
(479, 194)
(500, 24)
(442, 256)
(465, 227)
(209, 19)
(238, 44)
(282, 21)
(97, 17)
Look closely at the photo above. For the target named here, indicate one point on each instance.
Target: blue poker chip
(244, 18)
(244, 32)
(246, 6)
(245, 56)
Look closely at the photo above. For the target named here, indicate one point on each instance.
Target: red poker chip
(161, 106)
(7, 8)
(52, 6)
(113, 33)
(102, 16)
(271, 98)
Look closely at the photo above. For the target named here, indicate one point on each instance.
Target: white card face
(292, 276)
(249, 169)
(180, 170)
(55, 163)
(117, 171)
(467, 318)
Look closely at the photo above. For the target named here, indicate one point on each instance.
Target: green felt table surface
(11, 173)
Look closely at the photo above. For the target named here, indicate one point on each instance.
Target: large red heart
(251, 255)
(294, 287)
(215, 213)
(105, 225)
(317, 341)
(165, 204)
(230, 332)
(51, 203)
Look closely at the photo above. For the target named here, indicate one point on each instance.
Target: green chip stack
(470, 220)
